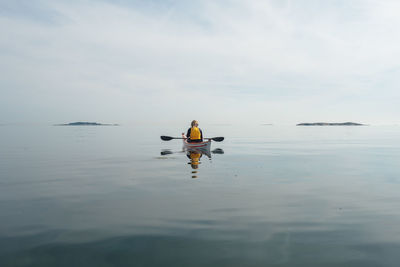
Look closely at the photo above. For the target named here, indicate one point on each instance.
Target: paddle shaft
(168, 138)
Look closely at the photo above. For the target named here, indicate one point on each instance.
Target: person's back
(194, 134)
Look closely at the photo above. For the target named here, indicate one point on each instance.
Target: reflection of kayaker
(194, 157)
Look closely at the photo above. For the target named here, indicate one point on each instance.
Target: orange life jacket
(195, 158)
(195, 133)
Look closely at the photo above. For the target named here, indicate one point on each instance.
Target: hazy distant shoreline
(84, 123)
(330, 124)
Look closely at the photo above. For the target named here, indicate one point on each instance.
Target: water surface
(277, 196)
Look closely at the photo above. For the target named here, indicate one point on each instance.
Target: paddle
(169, 152)
(168, 138)
(217, 139)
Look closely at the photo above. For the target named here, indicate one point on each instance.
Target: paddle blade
(166, 138)
(218, 139)
(218, 151)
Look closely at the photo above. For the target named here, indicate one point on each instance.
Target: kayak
(203, 145)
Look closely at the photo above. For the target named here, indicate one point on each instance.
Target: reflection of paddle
(166, 152)
(168, 138)
(218, 151)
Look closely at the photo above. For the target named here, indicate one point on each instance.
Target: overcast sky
(226, 61)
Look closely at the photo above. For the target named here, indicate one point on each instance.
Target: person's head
(194, 166)
(195, 123)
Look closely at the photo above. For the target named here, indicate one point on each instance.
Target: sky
(172, 61)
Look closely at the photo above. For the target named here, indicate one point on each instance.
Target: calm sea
(267, 196)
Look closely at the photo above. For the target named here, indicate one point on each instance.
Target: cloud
(244, 61)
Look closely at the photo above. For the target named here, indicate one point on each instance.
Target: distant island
(330, 124)
(84, 123)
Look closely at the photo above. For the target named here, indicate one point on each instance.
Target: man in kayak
(194, 133)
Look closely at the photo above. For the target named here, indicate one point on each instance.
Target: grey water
(272, 196)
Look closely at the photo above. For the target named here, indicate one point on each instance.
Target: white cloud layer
(217, 61)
